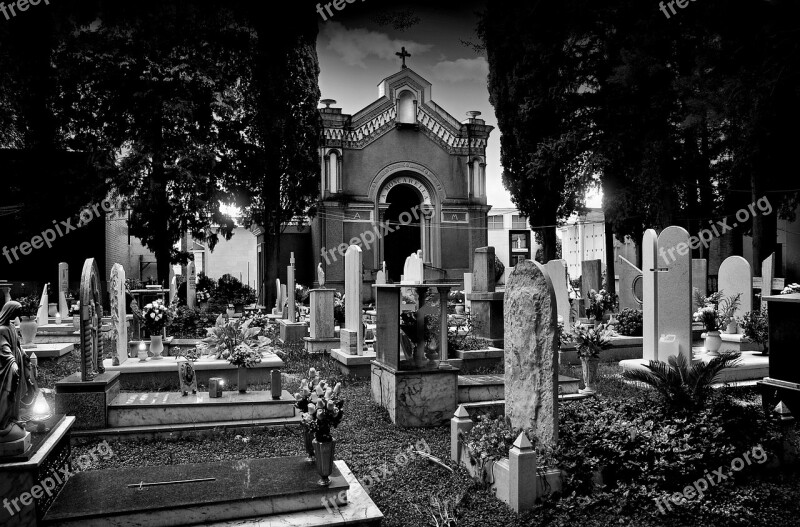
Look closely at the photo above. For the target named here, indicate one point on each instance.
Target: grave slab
(356, 365)
(227, 490)
(53, 350)
(87, 400)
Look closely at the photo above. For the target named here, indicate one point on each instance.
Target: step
(171, 408)
(197, 493)
(172, 431)
(479, 388)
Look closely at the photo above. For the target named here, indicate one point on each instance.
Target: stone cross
(403, 54)
(483, 270)
(557, 270)
(91, 313)
(191, 285)
(650, 295)
(352, 334)
(630, 284)
(119, 314)
(63, 289)
(531, 351)
(736, 276)
(290, 289)
(675, 289)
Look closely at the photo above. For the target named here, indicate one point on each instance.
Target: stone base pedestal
(487, 312)
(349, 342)
(87, 401)
(292, 332)
(320, 345)
(35, 476)
(357, 366)
(416, 398)
(16, 448)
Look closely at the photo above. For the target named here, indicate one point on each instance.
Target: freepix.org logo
(337, 4)
(10, 11)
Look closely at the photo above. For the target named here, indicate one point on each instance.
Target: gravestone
(413, 270)
(380, 277)
(191, 285)
(352, 334)
(483, 270)
(557, 270)
(486, 304)
(650, 295)
(322, 323)
(63, 289)
(699, 279)
(278, 309)
(42, 316)
(284, 301)
(173, 284)
(290, 286)
(736, 276)
(767, 274)
(119, 314)
(675, 289)
(467, 291)
(91, 314)
(591, 278)
(630, 278)
(531, 351)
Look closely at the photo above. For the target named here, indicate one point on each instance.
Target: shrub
(629, 322)
(231, 290)
(190, 323)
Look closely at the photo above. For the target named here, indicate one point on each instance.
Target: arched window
(333, 171)
(406, 108)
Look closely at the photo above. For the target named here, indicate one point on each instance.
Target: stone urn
(323, 455)
(589, 369)
(28, 327)
(242, 373)
(713, 342)
(157, 346)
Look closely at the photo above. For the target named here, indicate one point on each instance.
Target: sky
(356, 52)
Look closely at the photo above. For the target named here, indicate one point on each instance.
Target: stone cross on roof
(403, 54)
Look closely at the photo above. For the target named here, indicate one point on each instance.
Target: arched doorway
(404, 237)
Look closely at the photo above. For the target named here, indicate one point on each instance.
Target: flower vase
(713, 342)
(732, 328)
(28, 327)
(323, 455)
(242, 379)
(157, 346)
(308, 439)
(230, 311)
(589, 368)
(459, 309)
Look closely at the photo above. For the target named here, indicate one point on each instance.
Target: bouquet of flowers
(258, 320)
(716, 311)
(590, 341)
(600, 302)
(338, 308)
(243, 356)
(30, 306)
(456, 297)
(155, 316)
(227, 336)
(203, 296)
(791, 289)
(320, 406)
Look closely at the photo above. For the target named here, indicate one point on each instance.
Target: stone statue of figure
(17, 381)
(320, 275)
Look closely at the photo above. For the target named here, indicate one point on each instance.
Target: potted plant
(323, 411)
(233, 340)
(714, 312)
(589, 342)
(755, 325)
(155, 316)
(599, 303)
(244, 357)
(28, 324)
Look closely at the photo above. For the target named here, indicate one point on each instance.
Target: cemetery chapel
(409, 173)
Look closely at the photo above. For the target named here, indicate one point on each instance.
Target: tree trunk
(548, 237)
(611, 282)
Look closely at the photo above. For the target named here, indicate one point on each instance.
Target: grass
(369, 443)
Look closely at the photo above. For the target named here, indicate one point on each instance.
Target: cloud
(463, 70)
(354, 46)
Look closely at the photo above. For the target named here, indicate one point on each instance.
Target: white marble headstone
(736, 276)
(650, 277)
(557, 270)
(675, 288)
(467, 290)
(413, 270)
(290, 286)
(353, 323)
(699, 279)
(767, 274)
(63, 289)
(43, 317)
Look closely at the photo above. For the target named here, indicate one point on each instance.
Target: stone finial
(522, 442)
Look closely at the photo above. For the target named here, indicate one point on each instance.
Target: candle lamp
(215, 387)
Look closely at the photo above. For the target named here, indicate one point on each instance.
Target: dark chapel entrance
(403, 239)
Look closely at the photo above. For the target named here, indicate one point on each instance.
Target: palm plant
(681, 385)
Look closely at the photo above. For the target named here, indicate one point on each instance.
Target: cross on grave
(403, 54)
